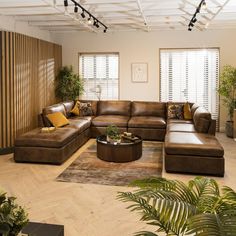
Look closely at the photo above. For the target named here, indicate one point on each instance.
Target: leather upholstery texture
(202, 119)
(105, 120)
(196, 144)
(121, 108)
(147, 122)
(68, 107)
(148, 109)
(180, 127)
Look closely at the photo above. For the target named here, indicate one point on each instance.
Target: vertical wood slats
(28, 67)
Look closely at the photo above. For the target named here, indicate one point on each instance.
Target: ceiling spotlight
(189, 29)
(204, 6)
(97, 25)
(94, 22)
(82, 14)
(89, 20)
(105, 30)
(76, 9)
(194, 20)
(191, 24)
(65, 3)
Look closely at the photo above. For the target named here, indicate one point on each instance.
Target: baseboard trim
(8, 150)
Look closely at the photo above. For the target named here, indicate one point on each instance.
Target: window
(190, 75)
(101, 76)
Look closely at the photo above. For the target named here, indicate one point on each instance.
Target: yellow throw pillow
(187, 112)
(76, 109)
(57, 119)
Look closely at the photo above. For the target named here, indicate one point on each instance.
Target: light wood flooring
(84, 209)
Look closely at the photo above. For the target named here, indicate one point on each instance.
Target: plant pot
(229, 129)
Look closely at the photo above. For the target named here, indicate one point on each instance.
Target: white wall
(144, 47)
(8, 23)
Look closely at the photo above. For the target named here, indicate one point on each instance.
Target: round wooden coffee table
(125, 151)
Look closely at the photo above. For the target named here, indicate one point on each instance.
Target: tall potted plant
(227, 90)
(69, 85)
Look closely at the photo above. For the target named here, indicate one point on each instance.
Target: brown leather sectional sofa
(189, 145)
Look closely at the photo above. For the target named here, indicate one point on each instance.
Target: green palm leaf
(175, 208)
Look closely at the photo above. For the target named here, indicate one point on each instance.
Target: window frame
(193, 48)
(103, 53)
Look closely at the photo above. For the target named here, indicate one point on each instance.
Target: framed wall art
(139, 72)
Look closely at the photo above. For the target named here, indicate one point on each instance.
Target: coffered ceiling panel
(123, 15)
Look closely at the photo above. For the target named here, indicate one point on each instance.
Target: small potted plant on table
(113, 134)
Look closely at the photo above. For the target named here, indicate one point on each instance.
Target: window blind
(100, 73)
(190, 75)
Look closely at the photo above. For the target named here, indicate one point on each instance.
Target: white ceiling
(122, 15)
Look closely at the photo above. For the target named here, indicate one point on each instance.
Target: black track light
(191, 24)
(194, 20)
(189, 29)
(90, 20)
(82, 14)
(204, 6)
(105, 30)
(75, 9)
(94, 22)
(65, 3)
(97, 25)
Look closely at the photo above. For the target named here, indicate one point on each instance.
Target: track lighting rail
(97, 23)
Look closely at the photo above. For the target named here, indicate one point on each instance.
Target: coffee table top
(124, 140)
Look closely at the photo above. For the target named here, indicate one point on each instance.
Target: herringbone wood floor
(84, 209)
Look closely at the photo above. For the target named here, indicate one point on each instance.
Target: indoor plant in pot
(227, 90)
(12, 216)
(175, 208)
(69, 85)
(113, 134)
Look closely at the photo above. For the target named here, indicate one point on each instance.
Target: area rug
(87, 168)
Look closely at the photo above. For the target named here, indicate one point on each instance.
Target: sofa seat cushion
(177, 121)
(105, 120)
(147, 122)
(195, 144)
(79, 124)
(56, 139)
(180, 127)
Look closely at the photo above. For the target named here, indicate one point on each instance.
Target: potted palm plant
(197, 208)
(12, 216)
(113, 134)
(69, 85)
(227, 89)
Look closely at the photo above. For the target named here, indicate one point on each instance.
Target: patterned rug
(87, 168)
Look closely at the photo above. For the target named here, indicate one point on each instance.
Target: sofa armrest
(212, 127)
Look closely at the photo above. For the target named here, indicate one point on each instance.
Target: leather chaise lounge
(190, 146)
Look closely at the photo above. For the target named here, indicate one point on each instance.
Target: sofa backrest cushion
(52, 109)
(202, 120)
(194, 108)
(68, 107)
(114, 108)
(148, 109)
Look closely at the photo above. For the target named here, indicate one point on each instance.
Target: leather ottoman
(53, 148)
(194, 153)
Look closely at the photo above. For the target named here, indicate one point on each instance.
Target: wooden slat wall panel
(28, 67)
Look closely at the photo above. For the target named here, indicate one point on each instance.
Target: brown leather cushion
(178, 127)
(196, 144)
(201, 119)
(121, 108)
(102, 121)
(79, 124)
(194, 108)
(147, 122)
(56, 139)
(177, 121)
(68, 107)
(148, 109)
(52, 109)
